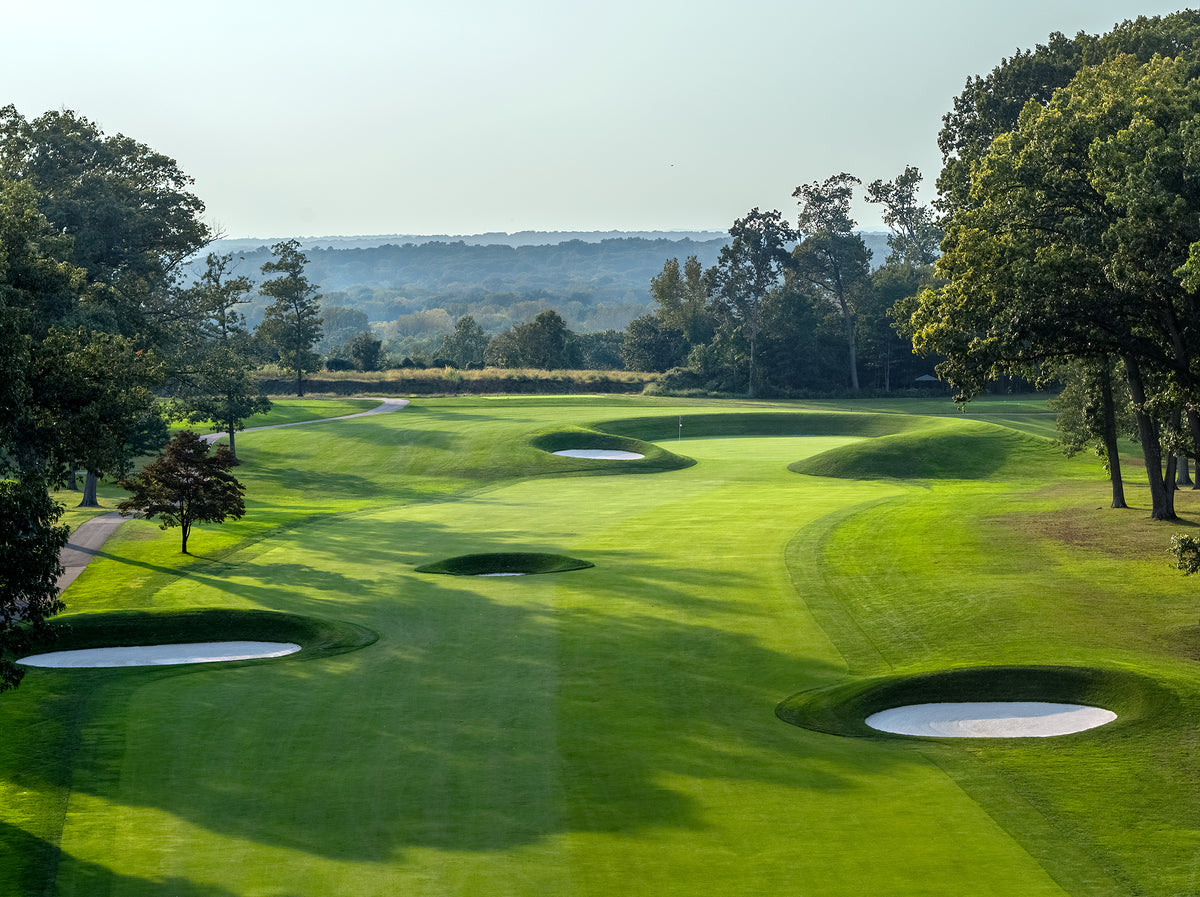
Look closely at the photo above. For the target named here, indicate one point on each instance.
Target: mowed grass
(288, 411)
(613, 729)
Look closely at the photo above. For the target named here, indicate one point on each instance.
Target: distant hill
(596, 279)
(495, 238)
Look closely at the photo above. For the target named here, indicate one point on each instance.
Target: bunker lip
(989, 719)
(510, 563)
(599, 454)
(160, 655)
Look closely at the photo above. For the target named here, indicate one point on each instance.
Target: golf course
(644, 673)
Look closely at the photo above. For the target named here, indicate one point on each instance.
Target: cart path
(90, 536)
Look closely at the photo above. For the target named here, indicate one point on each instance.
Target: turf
(614, 729)
(287, 411)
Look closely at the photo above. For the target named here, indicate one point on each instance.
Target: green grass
(283, 411)
(292, 411)
(614, 730)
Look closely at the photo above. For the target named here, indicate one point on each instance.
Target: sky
(301, 118)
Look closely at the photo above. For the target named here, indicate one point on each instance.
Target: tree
(30, 542)
(1074, 244)
(599, 350)
(991, 105)
(683, 299)
(365, 351)
(831, 259)
(544, 342)
(36, 285)
(129, 221)
(292, 322)
(504, 350)
(650, 345)
(101, 389)
(128, 210)
(915, 235)
(466, 345)
(186, 485)
(1088, 414)
(340, 325)
(750, 267)
(218, 383)
(913, 244)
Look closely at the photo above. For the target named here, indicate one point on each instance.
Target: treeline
(386, 281)
(783, 309)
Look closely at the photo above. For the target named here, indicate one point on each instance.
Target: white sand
(990, 719)
(499, 574)
(160, 655)
(600, 454)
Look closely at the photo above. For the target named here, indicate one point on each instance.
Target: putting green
(613, 730)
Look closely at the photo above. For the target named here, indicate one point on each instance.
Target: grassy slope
(283, 411)
(612, 729)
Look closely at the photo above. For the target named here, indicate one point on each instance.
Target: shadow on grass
(45, 862)
(473, 725)
(268, 595)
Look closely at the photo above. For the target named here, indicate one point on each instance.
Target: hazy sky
(462, 116)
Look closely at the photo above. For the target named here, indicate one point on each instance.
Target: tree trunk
(1162, 499)
(1172, 472)
(1182, 477)
(1193, 418)
(750, 385)
(232, 447)
(887, 368)
(1111, 450)
(299, 383)
(89, 492)
(185, 527)
(848, 320)
(71, 484)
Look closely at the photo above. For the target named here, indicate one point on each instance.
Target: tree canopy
(186, 485)
(1074, 244)
(292, 322)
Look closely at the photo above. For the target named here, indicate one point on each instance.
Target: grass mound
(505, 562)
(843, 709)
(317, 637)
(946, 449)
(655, 458)
(764, 423)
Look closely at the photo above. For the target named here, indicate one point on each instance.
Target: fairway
(612, 729)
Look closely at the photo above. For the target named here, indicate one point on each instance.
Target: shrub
(1187, 553)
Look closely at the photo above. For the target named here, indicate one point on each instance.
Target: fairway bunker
(990, 719)
(980, 702)
(513, 563)
(600, 454)
(160, 655)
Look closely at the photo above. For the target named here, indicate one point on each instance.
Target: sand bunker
(499, 574)
(600, 454)
(160, 655)
(990, 719)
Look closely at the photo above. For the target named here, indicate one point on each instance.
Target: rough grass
(615, 731)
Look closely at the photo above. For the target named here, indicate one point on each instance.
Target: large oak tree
(1074, 244)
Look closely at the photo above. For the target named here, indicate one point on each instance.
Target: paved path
(90, 535)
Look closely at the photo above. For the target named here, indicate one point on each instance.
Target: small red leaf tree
(186, 485)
